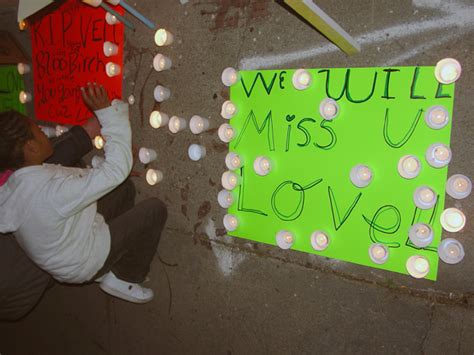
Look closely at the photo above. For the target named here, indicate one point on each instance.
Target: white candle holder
(161, 93)
(110, 49)
(198, 124)
(111, 19)
(361, 175)
(230, 180)
(97, 161)
(302, 79)
(447, 70)
(153, 176)
(437, 117)
(147, 155)
(452, 220)
(196, 152)
(328, 109)
(161, 62)
(158, 119)
(231, 222)
(424, 198)
(98, 142)
(409, 166)
(229, 110)
(60, 130)
(319, 240)
(25, 97)
(112, 69)
(23, 68)
(176, 124)
(438, 155)
(225, 198)
(418, 266)
(262, 166)
(421, 234)
(50, 132)
(451, 251)
(378, 253)
(230, 76)
(233, 161)
(458, 186)
(226, 132)
(94, 3)
(131, 100)
(285, 239)
(163, 37)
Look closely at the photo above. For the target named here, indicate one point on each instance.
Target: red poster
(67, 53)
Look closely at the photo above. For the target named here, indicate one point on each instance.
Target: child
(52, 210)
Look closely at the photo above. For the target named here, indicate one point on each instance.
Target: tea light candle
(24, 97)
(60, 130)
(262, 166)
(301, 79)
(196, 152)
(147, 155)
(437, 117)
(23, 68)
(110, 49)
(233, 161)
(361, 175)
(230, 76)
(418, 266)
(131, 100)
(228, 110)
(97, 161)
(176, 124)
(421, 234)
(153, 176)
(230, 180)
(158, 119)
(319, 240)
(438, 155)
(99, 142)
(50, 132)
(22, 25)
(225, 198)
(447, 70)
(409, 167)
(328, 109)
(111, 19)
(424, 198)
(378, 253)
(112, 69)
(451, 251)
(285, 239)
(163, 37)
(161, 93)
(452, 220)
(226, 132)
(198, 124)
(161, 62)
(231, 222)
(458, 186)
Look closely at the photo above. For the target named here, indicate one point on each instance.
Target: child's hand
(95, 96)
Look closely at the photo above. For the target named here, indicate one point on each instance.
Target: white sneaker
(127, 291)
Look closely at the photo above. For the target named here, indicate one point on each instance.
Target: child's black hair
(15, 131)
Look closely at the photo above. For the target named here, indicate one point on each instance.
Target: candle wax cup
(410, 164)
(426, 195)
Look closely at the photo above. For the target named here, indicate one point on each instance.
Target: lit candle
(110, 49)
(231, 223)
(230, 76)
(458, 186)
(285, 239)
(328, 109)
(23, 68)
(226, 132)
(176, 124)
(153, 176)
(163, 37)
(438, 155)
(230, 180)
(319, 240)
(60, 130)
(301, 79)
(361, 175)
(25, 97)
(262, 166)
(158, 119)
(418, 266)
(409, 166)
(448, 70)
(22, 25)
(228, 110)
(421, 234)
(424, 198)
(147, 155)
(378, 253)
(198, 124)
(99, 142)
(225, 198)
(196, 152)
(452, 220)
(131, 100)
(233, 161)
(437, 117)
(161, 93)
(161, 62)
(111, 19)
(112, 69)
(451, 251)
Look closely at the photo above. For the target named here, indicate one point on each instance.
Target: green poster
(381, 119)
(11, 83)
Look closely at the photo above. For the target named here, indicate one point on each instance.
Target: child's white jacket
(52, 210)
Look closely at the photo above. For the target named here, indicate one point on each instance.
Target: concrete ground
(219, 295)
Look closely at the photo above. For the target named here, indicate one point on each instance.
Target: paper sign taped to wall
(11, 83)
(381, 119)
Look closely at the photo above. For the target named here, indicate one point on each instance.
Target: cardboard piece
(11, 83)
(381, 119)
(26, 8)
